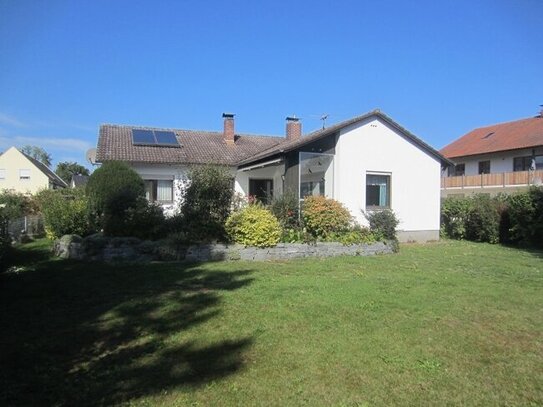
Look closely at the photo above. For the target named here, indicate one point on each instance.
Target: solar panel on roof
(166, 138)
(140, 136)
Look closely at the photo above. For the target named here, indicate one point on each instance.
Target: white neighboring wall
(19, 174)
(499, 162)
(373, 146)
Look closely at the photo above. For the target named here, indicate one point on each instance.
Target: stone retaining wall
(100, 248)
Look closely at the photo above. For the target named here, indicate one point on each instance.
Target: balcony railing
(501, 179)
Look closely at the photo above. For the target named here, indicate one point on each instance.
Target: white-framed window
(160, 190)
(24, 174)
(377, 191)
(2, 174)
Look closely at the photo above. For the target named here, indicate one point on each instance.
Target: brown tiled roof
(204, 147)
(514, 135)
(287, 146)
(197, 147)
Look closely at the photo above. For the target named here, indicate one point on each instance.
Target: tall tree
(67, 169)
(38, 153)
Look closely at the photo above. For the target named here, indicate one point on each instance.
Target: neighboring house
(78, 181)
(22, 173)
(368, 163)
(505, 157)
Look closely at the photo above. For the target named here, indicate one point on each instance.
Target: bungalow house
(368, 163)
(21, 173)
(505, 157)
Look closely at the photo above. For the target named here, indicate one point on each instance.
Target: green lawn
(447, 323)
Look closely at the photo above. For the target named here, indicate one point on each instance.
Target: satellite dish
(91, 156)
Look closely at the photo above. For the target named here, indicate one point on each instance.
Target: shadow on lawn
(87, 334)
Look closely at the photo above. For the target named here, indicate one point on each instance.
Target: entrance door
(261, 189)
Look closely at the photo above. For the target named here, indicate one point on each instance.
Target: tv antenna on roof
(324, 116)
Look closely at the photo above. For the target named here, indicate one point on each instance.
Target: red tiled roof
(525, 133)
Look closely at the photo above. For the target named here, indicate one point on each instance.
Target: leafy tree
(67, 169)
(38, 153)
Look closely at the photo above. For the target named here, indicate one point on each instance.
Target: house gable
(12, 162)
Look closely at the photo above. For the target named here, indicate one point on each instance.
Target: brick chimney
(294, 128)
(228, 128)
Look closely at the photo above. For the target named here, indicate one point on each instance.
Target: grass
(442, 324)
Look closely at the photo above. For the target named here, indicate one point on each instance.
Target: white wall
(499, 162)
(163, 171)
(374, 146)
(11, 162)
(274, 172)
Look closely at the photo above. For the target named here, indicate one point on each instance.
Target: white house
(21, 173)
(505, 157)
(367, 163)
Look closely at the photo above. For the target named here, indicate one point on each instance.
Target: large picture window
(377, 191)
(316, 174)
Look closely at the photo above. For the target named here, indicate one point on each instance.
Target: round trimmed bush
(111, 190)
(324, 216)
(254, 226)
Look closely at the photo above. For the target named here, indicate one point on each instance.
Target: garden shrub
(285, 208)
(356, 235)
(145, 220)
(515, 219)
(524, 214)
(17, 205)
(112, 189)
(64, 212)
(454, 211)
(383, 223)
(254, 226)
(207, 203)
(483, 219)
(323, 216)
(5, 241)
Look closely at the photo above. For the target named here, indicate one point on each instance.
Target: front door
(261, 189)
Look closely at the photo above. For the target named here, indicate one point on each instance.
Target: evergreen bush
(383, 223)
(482, 222)
(112, 190)
(207, 203)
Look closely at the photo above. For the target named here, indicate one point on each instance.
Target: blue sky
(439, 68)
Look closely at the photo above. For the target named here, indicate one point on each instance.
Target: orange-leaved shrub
(324, 216)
